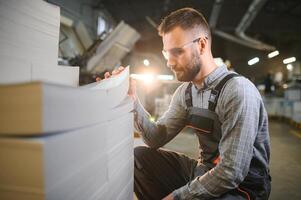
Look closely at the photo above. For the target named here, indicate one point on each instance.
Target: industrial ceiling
(242, 29)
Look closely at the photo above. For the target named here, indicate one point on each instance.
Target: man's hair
(185, 18)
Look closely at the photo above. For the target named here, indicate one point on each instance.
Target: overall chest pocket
(200, 123)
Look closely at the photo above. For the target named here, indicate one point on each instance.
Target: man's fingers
(120, 69)
(133, 83)
(115, 72)
(132, 89)
(98, 79)
(107, 75)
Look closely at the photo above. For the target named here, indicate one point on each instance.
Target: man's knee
(143, 156)
(141, 152)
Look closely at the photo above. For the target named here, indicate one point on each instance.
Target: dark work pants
(160, 172)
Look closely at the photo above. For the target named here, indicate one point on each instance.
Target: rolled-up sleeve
(239, 107)
(157, 134)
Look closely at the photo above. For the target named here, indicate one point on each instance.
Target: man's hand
(168, 197)
(132, 88)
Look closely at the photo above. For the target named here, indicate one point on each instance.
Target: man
(225, 111)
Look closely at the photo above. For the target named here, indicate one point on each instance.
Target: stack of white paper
(14, 70)
(58, 141)
(56, 108)
(29, 37)
(69, 165)
(92, 160)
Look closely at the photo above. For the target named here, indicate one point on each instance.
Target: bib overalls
(172, 170)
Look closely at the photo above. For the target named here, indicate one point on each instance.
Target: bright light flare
(146, 78)
(165, 77)
(152, 119)
(149, 78)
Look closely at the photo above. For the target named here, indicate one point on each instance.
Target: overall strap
(215, 92)
(188, 96)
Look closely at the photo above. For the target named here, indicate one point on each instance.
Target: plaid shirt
(244, 132)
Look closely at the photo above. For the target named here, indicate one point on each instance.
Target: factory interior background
(258, 39)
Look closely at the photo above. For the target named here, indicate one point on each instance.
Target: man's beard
(189, 72)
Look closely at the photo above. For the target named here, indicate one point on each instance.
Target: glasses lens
(176, 52)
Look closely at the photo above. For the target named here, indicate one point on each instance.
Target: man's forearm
(154, 135)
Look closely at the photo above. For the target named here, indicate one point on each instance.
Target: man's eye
(177, 52)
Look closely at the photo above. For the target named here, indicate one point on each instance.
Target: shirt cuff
(191, 190)
(182, 193)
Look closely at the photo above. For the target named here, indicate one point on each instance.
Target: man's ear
(202, 45)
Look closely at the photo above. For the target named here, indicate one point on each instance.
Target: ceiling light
(253, 61)
(289, 60)
(273, 54)
(289, 67)
(146, 62)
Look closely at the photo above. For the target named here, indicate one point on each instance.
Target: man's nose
(171, 62)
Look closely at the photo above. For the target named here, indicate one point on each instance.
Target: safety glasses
(176, 52)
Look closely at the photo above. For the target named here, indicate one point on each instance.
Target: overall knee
(143, 156)
(140, 152)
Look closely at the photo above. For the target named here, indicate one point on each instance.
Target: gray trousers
(160, 172)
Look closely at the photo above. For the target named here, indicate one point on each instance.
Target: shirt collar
(213, 76)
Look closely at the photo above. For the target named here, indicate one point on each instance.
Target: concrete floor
(285, 158)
